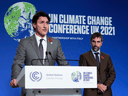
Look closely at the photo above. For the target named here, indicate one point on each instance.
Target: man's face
(42, 26)
(96, 43)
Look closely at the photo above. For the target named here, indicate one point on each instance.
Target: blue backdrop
(73, 44)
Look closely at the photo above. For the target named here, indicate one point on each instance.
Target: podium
(57, 80)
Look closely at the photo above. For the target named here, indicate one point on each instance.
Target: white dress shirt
(96, 52)
(44, 43)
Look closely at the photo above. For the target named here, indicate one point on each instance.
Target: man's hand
(13, 83)
(102, 87)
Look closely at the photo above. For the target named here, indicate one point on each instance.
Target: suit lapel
(35, 46)
(48, 50)
(92, 57)
(48, 44)
(95, 64)
(101, 60)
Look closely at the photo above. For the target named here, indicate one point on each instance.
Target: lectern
(57, 80)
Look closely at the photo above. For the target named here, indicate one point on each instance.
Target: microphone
(47, 56)
(51, 56)
(46, 53)
(41, 59)
(61, 59)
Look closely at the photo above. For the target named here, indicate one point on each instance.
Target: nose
(44, 25)
(96, 43)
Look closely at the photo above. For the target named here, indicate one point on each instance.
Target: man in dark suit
(38, 46)
(105, 69)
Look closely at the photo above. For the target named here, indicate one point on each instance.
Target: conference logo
(76, 76)
(17, 20)
(86, 76)
(35, 76)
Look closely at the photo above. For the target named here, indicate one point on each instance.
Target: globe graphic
(76, 76)
(17, 20)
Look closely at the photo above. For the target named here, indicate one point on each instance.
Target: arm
(83, 62)
(110, 79)
(111, 73)
(18, 62)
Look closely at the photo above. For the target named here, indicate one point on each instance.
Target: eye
(47, 22)
(98, 41)
(93, 41)
(42, 21)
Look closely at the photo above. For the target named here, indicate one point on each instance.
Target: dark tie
(98, 64)
(97, 59)
(41, 48)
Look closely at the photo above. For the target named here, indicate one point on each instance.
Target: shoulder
(27, 40)
(86, 54)
(50, 39)
(104, 54)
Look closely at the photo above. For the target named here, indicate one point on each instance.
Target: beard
(95, 48)
(42, 35)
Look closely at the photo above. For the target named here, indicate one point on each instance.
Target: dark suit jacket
(106, 72)
(28, 50)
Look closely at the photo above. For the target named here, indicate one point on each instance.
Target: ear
(102, 42)
(90, 42)
(34, 25)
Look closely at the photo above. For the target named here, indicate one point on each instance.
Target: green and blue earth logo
(76, 76)
(17, 20)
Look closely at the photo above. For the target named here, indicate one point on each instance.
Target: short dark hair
(96, 34)
(37, 15)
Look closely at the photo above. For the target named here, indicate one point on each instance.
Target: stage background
(115, 44)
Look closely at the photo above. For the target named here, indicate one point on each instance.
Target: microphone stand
(62, 59)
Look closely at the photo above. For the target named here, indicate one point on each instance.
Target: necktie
(98, 63)
(97, 60)
(41, 48)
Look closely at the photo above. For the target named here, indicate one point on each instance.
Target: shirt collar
(38, 38)
(95, 52)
